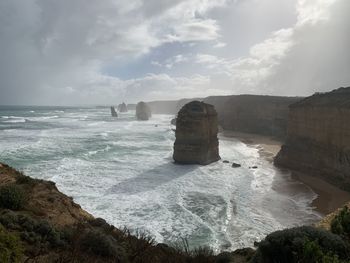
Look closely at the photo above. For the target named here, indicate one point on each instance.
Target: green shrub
(294, 245)
(11, 250)
(341, 223)
(23, 179)
(99, 244)
(11, 197)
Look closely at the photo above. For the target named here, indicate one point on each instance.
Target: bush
(98, 244)
(341, 223)
(23, 179)
(11, 249)
(301, 244)
(312, 252)
(11, 197)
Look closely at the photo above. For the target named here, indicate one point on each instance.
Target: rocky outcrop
(122, 107)
(143, 111)
(318, 139)
(113, 112)
(196, 134)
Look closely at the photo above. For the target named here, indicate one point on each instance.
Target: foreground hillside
(40, 224)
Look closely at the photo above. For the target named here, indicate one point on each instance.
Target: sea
(122, 170)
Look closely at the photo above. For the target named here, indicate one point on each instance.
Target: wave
(16, 121)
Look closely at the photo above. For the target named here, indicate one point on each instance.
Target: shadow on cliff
(153, 178)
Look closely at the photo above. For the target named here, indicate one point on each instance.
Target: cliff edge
(318, 137)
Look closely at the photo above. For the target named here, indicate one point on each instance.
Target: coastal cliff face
(265, 115)
(196, 134)
(143, 111)
(318, 139)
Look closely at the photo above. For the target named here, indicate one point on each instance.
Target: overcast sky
(71, 52)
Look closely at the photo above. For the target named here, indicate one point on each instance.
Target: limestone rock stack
(113, 112)
(318, 137)
(143, 111)
(122, 107)
(196, 134)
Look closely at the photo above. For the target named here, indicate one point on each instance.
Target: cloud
(55, 52)
(47, 46)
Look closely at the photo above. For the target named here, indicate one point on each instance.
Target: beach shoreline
(329, 197)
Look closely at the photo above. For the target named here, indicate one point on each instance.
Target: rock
(173, 121)
(236, 165)
(122, 107)
(113, 112)
(318, 137)
(196, 134)
(225, 161)
(143, 111)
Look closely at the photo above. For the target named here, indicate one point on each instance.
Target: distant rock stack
(122, 107)
(143, 111)
(113, 112)
(196, 134)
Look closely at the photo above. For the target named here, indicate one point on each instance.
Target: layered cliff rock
(196, 134)
(318, 138)
(143, 111)
(265, 115)
(122, 107)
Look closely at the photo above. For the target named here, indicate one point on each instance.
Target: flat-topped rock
(196, 134)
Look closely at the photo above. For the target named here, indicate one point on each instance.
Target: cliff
(265, 115)
(318, 137)
(196, 134)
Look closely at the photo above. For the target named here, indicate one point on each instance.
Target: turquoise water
(122, 170)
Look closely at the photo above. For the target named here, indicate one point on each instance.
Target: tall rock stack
(143, 111)
(196, 134)
(122, 107)
(318, 137)
(113, 112)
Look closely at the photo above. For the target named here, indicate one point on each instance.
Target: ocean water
(122, 170)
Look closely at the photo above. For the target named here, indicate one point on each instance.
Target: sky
(82, 52)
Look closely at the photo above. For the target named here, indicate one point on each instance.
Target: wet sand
(329, 198)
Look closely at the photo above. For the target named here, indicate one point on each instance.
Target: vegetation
(11, 249)
(11, 197)
(24, 232)
(100, 244)
(341, 223)
(302, 244)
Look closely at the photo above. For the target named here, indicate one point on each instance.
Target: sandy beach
(329, 198)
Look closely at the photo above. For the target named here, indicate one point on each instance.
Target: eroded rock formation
(122, 107)
(113, 112)
(196, 134)
(143, 111)
(318, 138)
